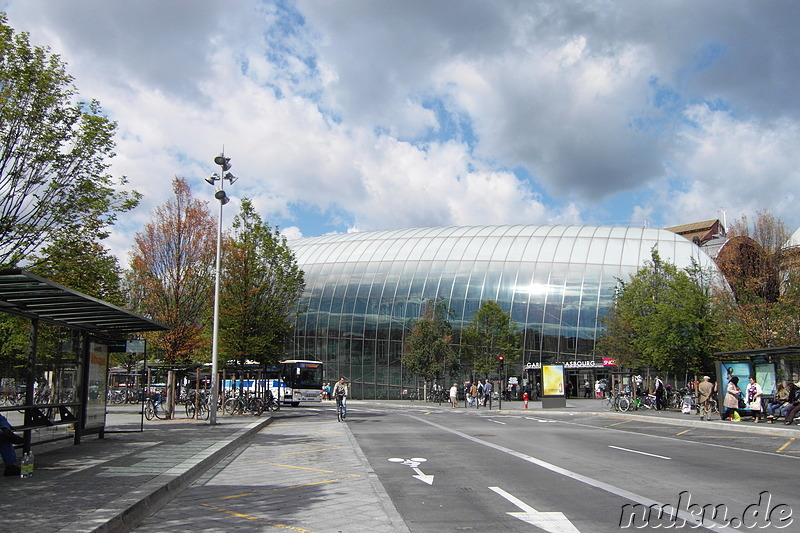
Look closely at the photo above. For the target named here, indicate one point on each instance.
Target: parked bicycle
(155, 408)
(197, 407)
(438, 395)
(628, 403)
(271, 403)
(242, 404)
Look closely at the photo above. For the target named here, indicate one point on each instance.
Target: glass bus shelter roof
(30, 296)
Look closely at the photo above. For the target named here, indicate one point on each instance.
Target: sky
(357, 115)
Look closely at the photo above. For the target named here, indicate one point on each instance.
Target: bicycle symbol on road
(414, 463)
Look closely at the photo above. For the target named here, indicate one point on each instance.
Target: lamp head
(230, 177)
(224, 162)
(212, 178)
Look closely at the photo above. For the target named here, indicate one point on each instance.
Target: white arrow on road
(423, 477)
(414, 463)
(554, 522)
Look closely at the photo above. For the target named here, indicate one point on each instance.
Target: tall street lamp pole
(219, 194)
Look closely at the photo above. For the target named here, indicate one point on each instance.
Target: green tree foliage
(429, 351)
(261, 285)
(172, 274)
(491, 333)
(662, 318)
(76, 258)
(53, 151)
(14, 338)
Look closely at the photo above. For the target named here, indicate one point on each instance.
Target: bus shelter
(69, 393)
(767, 365)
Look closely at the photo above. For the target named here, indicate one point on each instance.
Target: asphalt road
(467, 470)
(587, 467)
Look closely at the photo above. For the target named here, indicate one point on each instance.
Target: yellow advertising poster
(553, 380)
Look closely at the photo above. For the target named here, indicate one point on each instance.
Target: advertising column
(96, 401)
(553, 390)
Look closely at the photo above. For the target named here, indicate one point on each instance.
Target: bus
(300, 381)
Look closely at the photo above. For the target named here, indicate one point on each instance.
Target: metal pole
(212, 408)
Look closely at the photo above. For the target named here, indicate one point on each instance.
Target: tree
(491, 333)
(662, 318)
(429, 351)
(172, 273)
(261, 285)
(756, 306)
(76, 258)
(53, 152)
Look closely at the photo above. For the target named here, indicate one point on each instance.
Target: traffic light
(501, 361)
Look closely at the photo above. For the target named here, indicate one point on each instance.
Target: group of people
(784, 404)
(476, 392)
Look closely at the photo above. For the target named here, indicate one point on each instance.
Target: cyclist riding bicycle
(340, 395)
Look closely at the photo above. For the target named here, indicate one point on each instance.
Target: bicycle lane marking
(602, 485)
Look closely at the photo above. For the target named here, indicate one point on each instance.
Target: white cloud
(742, 165)
(355, 114)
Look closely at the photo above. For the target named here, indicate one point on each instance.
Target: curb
(397, 521)
(128, 511)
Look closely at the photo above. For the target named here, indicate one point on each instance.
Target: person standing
(340, 394)
(704, 391)
(454, 395)
(659, 394)
(732, 395)
(754, 393)
(487, 391)
(587, 389)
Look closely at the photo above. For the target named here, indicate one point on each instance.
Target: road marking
(602, 485)
(683, 432)
(642, 453)
(791, 440)
(542, 420)
(620, 423)
(238, 496)
(685, 441)
(303, 468)
(414, 463)
(496, 421)
(552, 521)
(423, 477)
(249, 517)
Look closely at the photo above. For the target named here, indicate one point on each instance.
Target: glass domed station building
(364, 291)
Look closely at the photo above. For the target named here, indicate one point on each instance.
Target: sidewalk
(111, 484)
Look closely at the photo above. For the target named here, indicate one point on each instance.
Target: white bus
(301, 381)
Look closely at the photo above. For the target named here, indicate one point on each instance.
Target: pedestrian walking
(454, 395)
(473, 395)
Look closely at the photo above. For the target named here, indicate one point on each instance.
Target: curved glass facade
(365, 290)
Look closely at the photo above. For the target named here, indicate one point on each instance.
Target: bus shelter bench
(44, 415)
